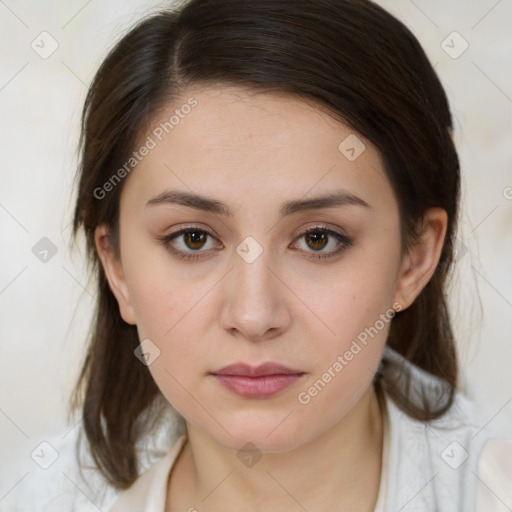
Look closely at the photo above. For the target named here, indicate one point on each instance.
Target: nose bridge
(252, 276)
(254, 302)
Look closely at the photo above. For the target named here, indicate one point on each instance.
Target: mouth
(261, 381)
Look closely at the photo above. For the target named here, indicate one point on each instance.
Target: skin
(254, 152)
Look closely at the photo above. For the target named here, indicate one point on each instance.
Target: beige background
(45, 307)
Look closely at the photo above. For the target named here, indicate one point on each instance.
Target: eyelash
(343, 239)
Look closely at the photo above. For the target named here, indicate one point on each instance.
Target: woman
(270, 194)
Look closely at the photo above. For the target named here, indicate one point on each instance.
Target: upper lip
(243, 369)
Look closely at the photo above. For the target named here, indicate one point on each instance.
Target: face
(258, 273)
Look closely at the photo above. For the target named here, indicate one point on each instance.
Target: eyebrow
(198, 202)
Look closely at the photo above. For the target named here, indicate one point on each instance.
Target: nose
(255, 302)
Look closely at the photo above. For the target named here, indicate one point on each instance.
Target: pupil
(318, 240)
(195, 237)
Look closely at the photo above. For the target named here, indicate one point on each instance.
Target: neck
(340, 470)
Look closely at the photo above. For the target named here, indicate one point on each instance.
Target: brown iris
(195, 239)
(318, 240)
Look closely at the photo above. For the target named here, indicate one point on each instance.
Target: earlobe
(114, 272)
(420, 263)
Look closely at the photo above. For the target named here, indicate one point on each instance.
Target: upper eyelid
(186, 229)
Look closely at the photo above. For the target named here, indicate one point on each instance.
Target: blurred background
(50, 53)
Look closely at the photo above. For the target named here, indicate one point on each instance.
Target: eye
(188, 241)
(320, 237)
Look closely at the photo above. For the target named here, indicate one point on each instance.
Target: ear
(420, 262)
(114, 272)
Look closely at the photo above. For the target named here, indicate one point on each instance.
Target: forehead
(221, 140)
(231, 116)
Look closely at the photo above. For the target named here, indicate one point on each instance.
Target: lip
(247, 370)
(261, 381)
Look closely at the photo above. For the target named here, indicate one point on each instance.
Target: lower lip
(257, 387)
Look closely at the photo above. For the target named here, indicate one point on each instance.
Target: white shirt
(448, 465)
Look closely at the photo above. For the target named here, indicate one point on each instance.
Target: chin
(266, 431)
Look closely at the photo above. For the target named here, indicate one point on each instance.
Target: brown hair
(349, 56)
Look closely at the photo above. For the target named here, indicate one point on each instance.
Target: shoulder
(440, 465)
(148, 492)
(435, 465)
(494, 487)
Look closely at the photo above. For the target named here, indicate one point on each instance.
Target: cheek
(358, 311)
(359, 302)
(168, 316)
(170, 310)
(159, 294)
(345, 363)
(157, 307)
(162, 290)
(349, 309)
(164, 304)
